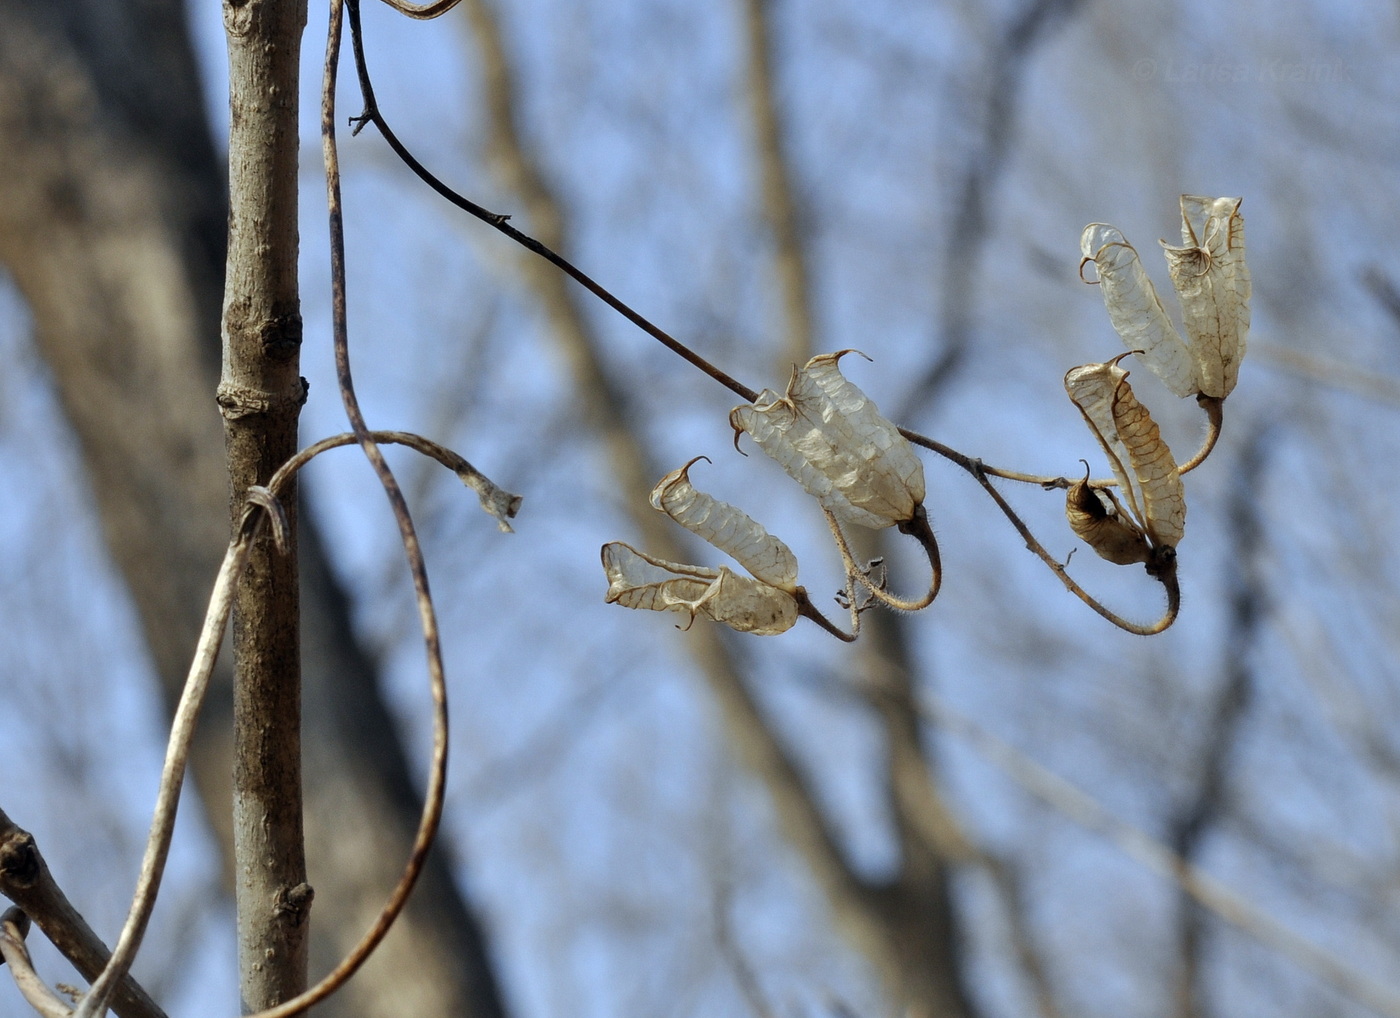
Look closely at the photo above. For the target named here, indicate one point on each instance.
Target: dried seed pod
(1213, 284)
(1135, 309)
(830, 438)
(1098, 520)
(1153, 490)
(729, 529)
(638, 580)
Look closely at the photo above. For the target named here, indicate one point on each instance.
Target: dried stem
(918, 528)
(182, 730)
(1214, 408)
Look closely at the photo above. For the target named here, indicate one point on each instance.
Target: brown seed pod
(639, 580)
(1097, 519)
(1148, 479)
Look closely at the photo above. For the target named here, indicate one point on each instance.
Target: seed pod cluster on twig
(1212, 283)
(862, 470)
(1152, 492)
(829, 437)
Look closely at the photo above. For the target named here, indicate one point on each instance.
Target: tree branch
(25, 879)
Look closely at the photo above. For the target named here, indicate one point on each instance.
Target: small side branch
(1164, 570)
(25, 879)
(372, 115)
(919, 529)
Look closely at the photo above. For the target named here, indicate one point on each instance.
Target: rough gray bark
(112, 224)
(260, 393)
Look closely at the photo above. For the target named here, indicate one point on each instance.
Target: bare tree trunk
(113, 224)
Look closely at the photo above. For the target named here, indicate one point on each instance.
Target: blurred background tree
(646, 821)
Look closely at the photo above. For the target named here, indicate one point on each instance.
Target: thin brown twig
(437, 780)
(372, 115)
(919, 529)
(1165, 573)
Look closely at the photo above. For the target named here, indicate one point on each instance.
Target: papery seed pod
(729, 529)
(1092, 388)
(1141, 462)
(638, 580)
(1099, 521)
(1135, 309)
(830, 438)
(1213, 284)
(1163, 495)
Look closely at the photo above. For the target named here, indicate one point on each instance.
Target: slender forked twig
(1164, 572)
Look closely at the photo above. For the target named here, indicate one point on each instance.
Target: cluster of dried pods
(1212, 284)
(830, 438)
